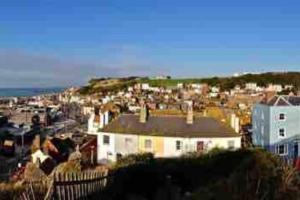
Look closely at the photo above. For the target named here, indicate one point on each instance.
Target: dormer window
(281, 116)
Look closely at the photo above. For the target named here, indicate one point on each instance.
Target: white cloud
(22, 69)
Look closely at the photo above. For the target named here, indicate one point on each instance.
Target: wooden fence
(72, 186)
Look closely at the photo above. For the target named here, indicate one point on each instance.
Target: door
(296, 150)
(200, 146)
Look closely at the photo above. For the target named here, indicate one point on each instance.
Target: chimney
(235, 123)
(205, 113)
(106, 117)
(232, 121)
(102, 123)
(190, 115)
(143, 113)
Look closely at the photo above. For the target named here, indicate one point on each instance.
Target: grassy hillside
(107, 84)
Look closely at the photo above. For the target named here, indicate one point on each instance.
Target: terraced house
(164, 136)
(276, 125)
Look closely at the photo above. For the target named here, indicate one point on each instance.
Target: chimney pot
(143, 114)
(190, 114)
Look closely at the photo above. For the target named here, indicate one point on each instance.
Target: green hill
(107, 84)
(226, 83)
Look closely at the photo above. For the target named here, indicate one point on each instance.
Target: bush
(134, 159)
(11, 190)
(243, 174)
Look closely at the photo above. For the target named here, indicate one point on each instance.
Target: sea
(27, 92)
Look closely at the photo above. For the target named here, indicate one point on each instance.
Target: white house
(251, 86)
(98, 119)
(274, 87)
(164, 136)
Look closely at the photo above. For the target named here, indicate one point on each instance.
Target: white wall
(126, 144)
(106, 151)
(117, 145)
(210, 143)
(91, 129)
(190, 144)
(170, 146)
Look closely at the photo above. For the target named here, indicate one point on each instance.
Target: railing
(71, 186)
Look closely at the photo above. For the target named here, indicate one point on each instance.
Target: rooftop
(172, 126)
(283, 100)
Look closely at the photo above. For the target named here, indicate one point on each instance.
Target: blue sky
(64, 42)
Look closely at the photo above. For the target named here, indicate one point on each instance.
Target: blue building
(276, 125)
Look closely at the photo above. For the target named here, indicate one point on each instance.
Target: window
(282, 149)
(105, 139)
(231, 144)
(281, 133)
(148, 144)
(200, 146)
(178, 145)
(262, 129)
(281, 116)
(128, 142)
(254, 125)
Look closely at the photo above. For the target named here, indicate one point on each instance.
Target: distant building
(251, 86)
(98, 119)
(145, 86)
(276, 125)
(164, 136)
(288, 87)
(180, 85)
(274, 87)
(162, 77)
(214, 92)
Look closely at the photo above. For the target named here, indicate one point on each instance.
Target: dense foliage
(288, 78)
(244, 174)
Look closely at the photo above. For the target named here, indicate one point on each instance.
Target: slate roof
(284, 101)
(172, 126)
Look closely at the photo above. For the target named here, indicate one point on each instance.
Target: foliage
(69, 167)
(11, 190)
(134, 159)
(104, 85)
(5, 135)
(226, 83)
(243, 174)
(33, 173)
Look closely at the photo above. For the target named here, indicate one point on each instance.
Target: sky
(47, 43)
